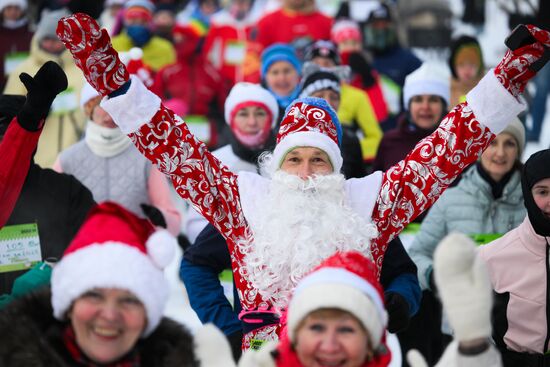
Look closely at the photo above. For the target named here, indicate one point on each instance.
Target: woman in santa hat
(336, 316)
(279, 228)
(105, 306)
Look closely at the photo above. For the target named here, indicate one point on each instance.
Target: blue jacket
(208, 256)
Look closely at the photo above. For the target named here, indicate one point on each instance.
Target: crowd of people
(308, 147)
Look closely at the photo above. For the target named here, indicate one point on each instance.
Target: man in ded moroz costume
(279, 228)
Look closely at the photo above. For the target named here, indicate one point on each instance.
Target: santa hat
(22, 4)
(310, 122)
(344, 30)
(115, 249)
(248, 94)
(430, 78)
(345, 281)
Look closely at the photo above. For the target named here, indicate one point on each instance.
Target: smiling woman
(105, 307)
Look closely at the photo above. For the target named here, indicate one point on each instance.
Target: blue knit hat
(279, 52)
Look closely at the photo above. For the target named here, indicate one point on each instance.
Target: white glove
(212, 348)
(464, 287)
(415, 359)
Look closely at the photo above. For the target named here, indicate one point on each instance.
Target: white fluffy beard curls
(302, 223)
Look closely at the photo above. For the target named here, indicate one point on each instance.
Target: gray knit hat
(48, 24)
(516, 129)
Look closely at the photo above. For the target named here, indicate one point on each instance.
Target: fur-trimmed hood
(31, 336)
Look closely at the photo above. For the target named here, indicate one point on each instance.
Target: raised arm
(412, 185)
(157, 132)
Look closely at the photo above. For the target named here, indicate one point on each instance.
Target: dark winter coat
(58, 203)
(12, 40)
(31, 336)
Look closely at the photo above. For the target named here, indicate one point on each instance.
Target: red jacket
(228, 46)
(294, 28)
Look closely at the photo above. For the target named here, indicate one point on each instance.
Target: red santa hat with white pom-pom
(345, 281)
(115, 249)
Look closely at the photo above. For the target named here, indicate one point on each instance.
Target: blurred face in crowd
(107, 323)
(324, 62)
(332, 338)
(52, 45)
(426, 110)
(12, 12)
(305, 162)
(164, 21)
(208, 7)
(282, 78)
(349, 45)
(541, 195)
(467, 71)
(251, 120)
(332, 97)
(499, 158)
(102, 118)
(239, 8)
(297, 5)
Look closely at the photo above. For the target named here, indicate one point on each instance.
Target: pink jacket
(518, 267)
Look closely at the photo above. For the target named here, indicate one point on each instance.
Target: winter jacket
(297, 29)
(141, 183)
(12, 41)
(395, 145)
(58, 203)
(208, 256)
(228, 46)
(157, 53)
(31, 336)
(65, 123)
(469, 208)
(518, 265)
(356, 112)
(388, 200)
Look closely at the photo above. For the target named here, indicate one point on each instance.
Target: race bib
(19, 247)
(13, 60)
(234, 53)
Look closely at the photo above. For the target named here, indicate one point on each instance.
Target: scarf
(105, 142)
(69, 340)
(13, 24)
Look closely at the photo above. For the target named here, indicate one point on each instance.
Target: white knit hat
(115, 249)
(345, 281)
(87, 93)
(20, 3)
(246, 93)
(429, 78)
(517, 130)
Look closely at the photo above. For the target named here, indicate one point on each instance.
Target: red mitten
(93, 53)
(514, 70)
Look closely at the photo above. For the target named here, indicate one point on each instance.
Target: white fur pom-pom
(135, 53)
(161, 247)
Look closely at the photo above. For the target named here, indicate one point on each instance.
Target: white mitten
(212, 348)
(259, 358)
(415, 359)
(464, 287)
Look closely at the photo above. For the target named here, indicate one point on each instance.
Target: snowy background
(491, 38)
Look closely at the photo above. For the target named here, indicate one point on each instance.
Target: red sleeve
(158, 84)
(415, 183)
(196, 174)
(16, 149)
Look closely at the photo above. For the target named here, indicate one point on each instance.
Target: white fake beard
(304, 222)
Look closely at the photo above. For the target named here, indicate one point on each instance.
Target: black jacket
(58, 203)
(31, 336)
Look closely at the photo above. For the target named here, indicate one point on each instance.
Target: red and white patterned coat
(390, 200)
